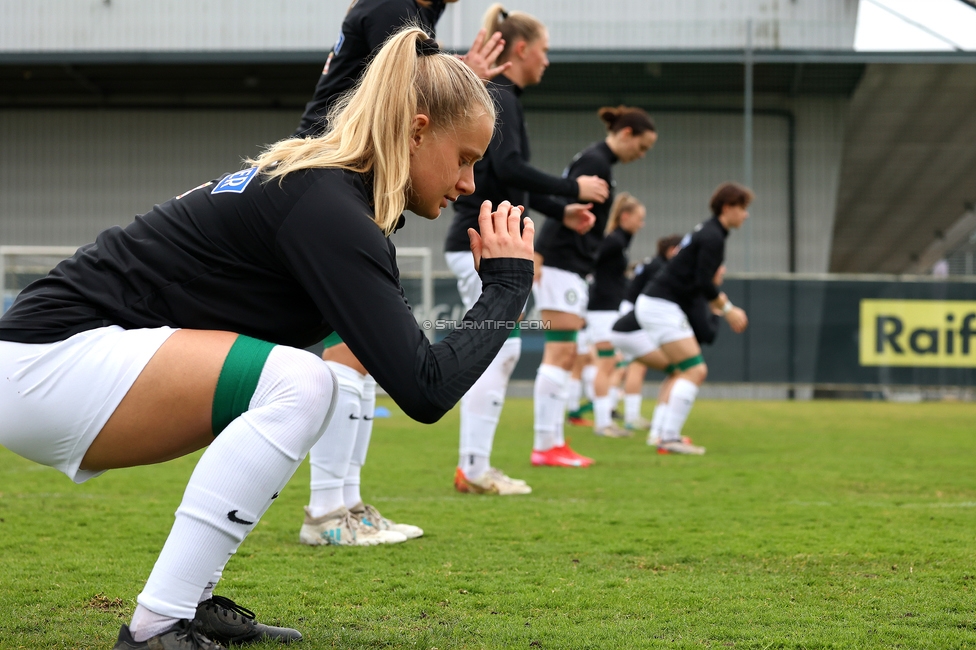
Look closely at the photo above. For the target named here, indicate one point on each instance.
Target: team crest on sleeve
(571, 297)
(236, 182)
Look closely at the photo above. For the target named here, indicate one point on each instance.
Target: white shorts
(663, 320)
(599, 324)
(56, 397)
(559, 290)
(469, 284)
(632, 345)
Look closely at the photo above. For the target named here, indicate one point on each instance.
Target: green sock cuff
(688, 363)
(623, 364)
(671, 369)
(332, 340)
(561, 336)
(605, 353)
(238, 380)
(516, 331)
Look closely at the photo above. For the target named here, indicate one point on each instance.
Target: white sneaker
(493, 481)
(653, 440)
(341, 528)
(371, 517)
(679, 447)
(640, 424)
(613, 430)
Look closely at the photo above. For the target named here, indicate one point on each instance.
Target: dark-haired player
(561, 291)
(662, 310)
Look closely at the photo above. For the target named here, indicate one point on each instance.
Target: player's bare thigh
(167, 412)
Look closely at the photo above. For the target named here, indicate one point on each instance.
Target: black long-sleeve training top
(367, 24)
(609, 272)
(562, 247)
(645, 272)
(504, 174)
(287, 263)
(691, 273)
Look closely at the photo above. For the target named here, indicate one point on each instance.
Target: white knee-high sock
(602, 412)
(657, 419)
(350, 486)
(550, 406)
(632, 407)
(481, 408)
(574, 391)
(330, 457)
(237, 479)
(683, 394)
(587, 376)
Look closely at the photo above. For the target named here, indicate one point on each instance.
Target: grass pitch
(807, 525)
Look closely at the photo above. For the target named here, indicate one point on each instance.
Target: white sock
(587, 376)
(350, 487)
(238, 477)
(146, 624)
(657, 420)
(683, 394)
(550, 406)
(614, 394)
(330, 457)
(632, 407)
(574, 391)
(602, 412)
(481, 408)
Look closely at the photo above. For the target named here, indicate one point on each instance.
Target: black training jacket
(504, 174)
(367, 24)
(562, 247)
(691, 272)
(284, 262)
(609, 272)
(646, 272)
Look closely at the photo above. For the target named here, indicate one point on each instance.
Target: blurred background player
(608, 289)
(335, 504)
(661, 309)
(567, 256)
(504, 174)
(633, 382)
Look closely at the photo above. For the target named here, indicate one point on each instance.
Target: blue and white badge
(339, 42)
(236, 182)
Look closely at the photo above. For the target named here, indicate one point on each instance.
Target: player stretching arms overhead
(606, 293)
(560, 289)
(183, 330)
(336, 513)
(662, 311)
(504, 174)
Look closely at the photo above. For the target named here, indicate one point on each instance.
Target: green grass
(807, 525)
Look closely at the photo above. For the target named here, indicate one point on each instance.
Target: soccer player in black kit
(607, 292)
(184, 329)
(336, 513)
(661, 310)
(505, 174)
(667, 247)
(560, 289)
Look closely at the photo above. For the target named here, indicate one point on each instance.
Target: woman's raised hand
(502, 234)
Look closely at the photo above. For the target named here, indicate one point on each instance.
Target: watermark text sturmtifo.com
(485, 324)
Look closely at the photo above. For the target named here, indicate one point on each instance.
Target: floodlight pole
(747, 136)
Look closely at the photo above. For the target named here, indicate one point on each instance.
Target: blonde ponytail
(625, 202)
(515, 26)
(370, 127)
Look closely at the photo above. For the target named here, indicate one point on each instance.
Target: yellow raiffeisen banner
(939, 333)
